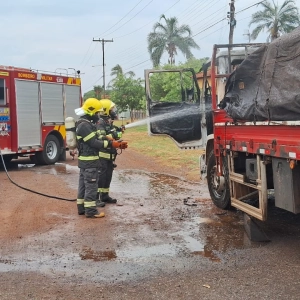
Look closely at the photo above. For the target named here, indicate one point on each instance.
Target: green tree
(98, 91)
(166, 86)
(276, 19)
(128, 93)
(170, 37)
(117, 71)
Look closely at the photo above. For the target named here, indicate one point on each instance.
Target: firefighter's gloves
(119, 144)
(122, 128)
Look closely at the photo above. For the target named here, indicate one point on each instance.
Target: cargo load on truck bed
(265, 86)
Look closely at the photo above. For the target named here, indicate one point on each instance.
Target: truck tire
(50, 153)
(218, 186)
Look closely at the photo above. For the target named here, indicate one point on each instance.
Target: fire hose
(27, 189)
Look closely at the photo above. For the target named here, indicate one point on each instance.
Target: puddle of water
(88, 253)
(146, 252)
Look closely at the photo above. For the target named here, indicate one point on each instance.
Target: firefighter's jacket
(107, 130)
(88, 143)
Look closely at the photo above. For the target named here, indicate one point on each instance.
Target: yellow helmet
(112, 105)
(105, 107)
(91, 106)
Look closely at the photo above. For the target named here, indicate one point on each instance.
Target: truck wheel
(51, 152)
(218, 186)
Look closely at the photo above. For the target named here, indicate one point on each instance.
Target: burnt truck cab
(184, 111)
(176, 114)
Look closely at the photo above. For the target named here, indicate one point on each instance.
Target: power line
(94, 83)
(225, 18)
(209, 27)
(208, 16)
(190, 9)
(86, 54)
(250, 6)
(204, 30)
(90, 56)
(138, 64)
(194, 14)
(133, 16)
(122, 18)
(147, 23)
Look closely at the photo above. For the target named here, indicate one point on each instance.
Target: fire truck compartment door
(173, 106)
(52, 102)
(28, 117)
(73, 97)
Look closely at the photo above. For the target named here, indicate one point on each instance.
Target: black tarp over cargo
(266, 86)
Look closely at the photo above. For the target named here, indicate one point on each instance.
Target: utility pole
(103, 64)
(247, 33)
(232, 21)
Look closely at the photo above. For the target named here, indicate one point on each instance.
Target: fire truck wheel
(218, 186)
(51, 152)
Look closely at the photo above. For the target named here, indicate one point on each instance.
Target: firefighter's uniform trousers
(87, 191)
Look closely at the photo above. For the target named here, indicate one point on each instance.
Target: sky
(58, 35)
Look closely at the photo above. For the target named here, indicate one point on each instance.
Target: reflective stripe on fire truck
(75, 81)
(61, 129)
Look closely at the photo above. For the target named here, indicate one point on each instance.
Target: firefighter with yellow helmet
(89, 146)
(108, 155)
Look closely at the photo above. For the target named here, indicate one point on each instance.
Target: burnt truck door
(174, 107)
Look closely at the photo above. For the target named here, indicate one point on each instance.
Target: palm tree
(276, 19)
(117, 71)
(168, 38)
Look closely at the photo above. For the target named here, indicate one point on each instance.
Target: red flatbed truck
(251, 151)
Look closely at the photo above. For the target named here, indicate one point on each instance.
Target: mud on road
(164, 241)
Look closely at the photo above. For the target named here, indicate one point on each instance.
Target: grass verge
(163, 150)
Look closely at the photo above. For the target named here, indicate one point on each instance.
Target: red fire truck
(245, 115)
(33, 108)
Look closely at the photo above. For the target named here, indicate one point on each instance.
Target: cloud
(47, 35)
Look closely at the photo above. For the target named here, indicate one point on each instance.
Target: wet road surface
(162, 226)
(159, 219)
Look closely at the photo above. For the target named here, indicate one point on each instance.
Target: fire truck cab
(33, 109)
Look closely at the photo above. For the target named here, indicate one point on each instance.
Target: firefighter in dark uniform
(88, 157)
(107, 155)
